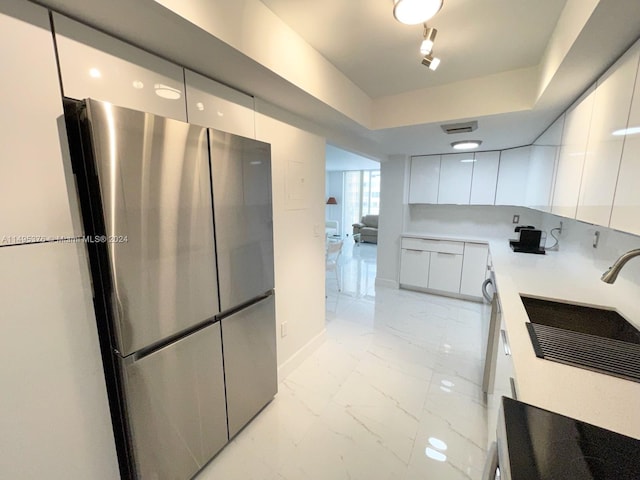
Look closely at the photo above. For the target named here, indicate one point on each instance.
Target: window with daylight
(361, 195)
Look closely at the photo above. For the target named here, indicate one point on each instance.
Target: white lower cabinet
(444, 266)
(445, 271)
(474, 268)
(415, 268)
(54, 413)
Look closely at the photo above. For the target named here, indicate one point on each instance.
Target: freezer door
(251, 377)
(155, 189)
(176, 406)
(241, 177)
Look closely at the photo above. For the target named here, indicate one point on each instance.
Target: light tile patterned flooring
(393, 394)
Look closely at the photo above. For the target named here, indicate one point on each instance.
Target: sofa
(366, 230)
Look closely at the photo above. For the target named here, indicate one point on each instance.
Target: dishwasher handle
(485, 294)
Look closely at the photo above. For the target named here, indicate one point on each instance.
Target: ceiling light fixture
(413, 12)
(431, 61)
(429, 37)
(466, 144)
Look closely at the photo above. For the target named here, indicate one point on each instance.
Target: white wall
(577, 241)
(391, 223)
(473, 221)
(298, 226)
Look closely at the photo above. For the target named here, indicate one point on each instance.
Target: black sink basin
(593, 338)
(589, 320)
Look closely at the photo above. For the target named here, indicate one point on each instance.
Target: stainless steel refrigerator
(184, 304)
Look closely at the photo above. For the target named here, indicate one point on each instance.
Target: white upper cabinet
(540, 178)
(214, 105)
(572, 154)
(95, 65)
(542, 167)
(34, 200)
(424, 179)
(512, 176)
(626, 205)
(455, 178)
(485, 178)
(610, 114)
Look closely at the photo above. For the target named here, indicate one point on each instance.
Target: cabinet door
(424, 179)
(34, 199)
(485, 178)
(217, 106)
(474, 268)
(571, 157)
(512, 176)
(414, 268)
(445, 270)
(455, 178)
(540, 177)
(53, 407)
(98, 66)
(626, 205)
(610, 113)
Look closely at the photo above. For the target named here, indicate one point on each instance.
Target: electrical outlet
(283, 329)
(516, 219)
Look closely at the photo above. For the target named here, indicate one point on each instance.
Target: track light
(429, 37)
(413, 12)
(431, 61)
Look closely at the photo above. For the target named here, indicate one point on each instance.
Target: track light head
(430, 61)
(429, 37)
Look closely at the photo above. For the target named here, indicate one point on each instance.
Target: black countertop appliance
(528, 240)
(536, 444)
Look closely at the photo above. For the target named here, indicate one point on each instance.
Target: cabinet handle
(447, 253)
(412, 250)
(505, 343)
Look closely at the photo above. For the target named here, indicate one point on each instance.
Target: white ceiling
(475, 39)
(380, 55)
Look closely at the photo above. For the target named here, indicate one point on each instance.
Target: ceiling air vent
(465, 127)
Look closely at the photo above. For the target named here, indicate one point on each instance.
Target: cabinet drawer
(432, 245)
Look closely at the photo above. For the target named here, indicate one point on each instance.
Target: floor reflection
(393, 393)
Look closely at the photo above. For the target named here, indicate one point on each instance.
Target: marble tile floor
(393, 394)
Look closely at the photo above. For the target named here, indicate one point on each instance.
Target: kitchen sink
(578, 318)
(594, 338)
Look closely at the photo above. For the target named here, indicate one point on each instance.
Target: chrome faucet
(611, 275)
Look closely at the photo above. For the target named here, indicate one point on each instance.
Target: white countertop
(596, 398)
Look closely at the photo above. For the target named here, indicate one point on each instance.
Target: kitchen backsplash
(578, 237)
